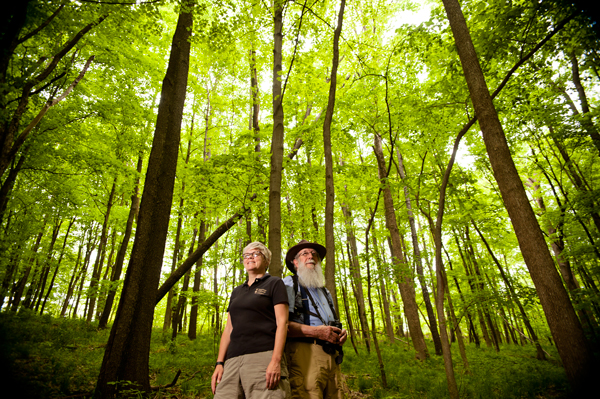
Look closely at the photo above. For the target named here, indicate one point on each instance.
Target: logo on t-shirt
(260, 291)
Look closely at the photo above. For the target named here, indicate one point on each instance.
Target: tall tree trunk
(329, 186)
(172, 295)
(72, 282)
(587, 122)
(565, 327)
(60, 258)
(127, 351)
(179, 312)
(80, 279)
(47, 266)
(356, 277)
(20, 286)
(196, 288)
(255, 127)
(473, 337)
(478, 289)
(349, 317)
(513, 296)
(9, 275)
(418, 261)
(118, 268)
(169, 308)
(405, 279)
(94, 282)
(389, 326)
(275, 268)
(11, 23)
(92, 241)
(556, 241)
(9, 182)
(104, 283)
(216, 319)
(373, 325)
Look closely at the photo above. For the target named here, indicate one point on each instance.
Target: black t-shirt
(252, 313)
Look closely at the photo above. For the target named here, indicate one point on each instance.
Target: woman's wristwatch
(221, 363)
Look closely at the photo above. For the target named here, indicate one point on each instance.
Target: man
(315, 337)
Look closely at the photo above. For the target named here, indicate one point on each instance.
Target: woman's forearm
(225, 340)
(281, 318)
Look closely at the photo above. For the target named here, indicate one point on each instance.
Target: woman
(250, 363)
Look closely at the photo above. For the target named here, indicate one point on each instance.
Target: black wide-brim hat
(293, 251)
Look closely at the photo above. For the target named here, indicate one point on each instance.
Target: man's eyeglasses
(314, 254)
(251, 255)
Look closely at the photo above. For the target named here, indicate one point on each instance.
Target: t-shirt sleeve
(280, 294)
(233, 293)
(291, 297)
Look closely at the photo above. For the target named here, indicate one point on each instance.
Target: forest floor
(45, 357)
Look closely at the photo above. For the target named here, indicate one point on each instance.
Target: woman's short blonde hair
(262, 248)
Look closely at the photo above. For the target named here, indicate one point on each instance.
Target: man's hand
(273, 374)
(330, 334)
(216, 378)
(343, 336)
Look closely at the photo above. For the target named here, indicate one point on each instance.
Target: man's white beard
(311, 278)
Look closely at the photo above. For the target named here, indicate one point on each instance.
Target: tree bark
(179, 312)
(11, 23)
(275, 268)
(418, 261)
(91, 246)
(45, 271)
(565, 327)
(389, 326)
(349, 318)
(196, 287)
(9, 182)
(405, 279)
(172, 295)
(48, 265)
(60, 258)
(356, 276)
(457, 330)
(118, 268)
(373, 326)
(72, 282)
(329, 186)
(95, 281)
(127, 351)
(20, 287)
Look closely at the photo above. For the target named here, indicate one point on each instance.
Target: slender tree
(127, 351)
(329, 186)
(275, 268)
(405, 279)
(565, 327)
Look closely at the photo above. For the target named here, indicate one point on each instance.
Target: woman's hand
(273, 374)
(216, 377)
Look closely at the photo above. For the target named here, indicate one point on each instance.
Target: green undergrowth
(514, 372)
(45, 357)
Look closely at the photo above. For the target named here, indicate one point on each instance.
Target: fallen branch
(168, 385)
(193, 258)
(406, 342)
